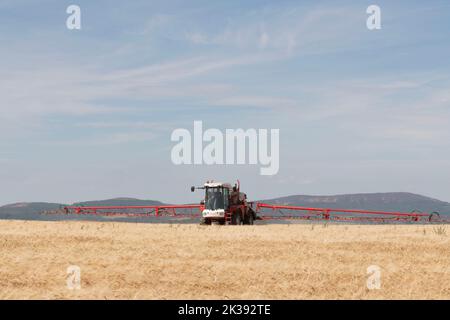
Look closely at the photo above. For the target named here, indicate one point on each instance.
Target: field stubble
(176, 261)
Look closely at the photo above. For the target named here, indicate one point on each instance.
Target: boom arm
(278, 212)
(186, 210)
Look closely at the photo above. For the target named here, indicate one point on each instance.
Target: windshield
(214, 198)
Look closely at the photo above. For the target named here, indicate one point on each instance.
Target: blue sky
(87, 114)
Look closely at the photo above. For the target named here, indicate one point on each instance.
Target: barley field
(163, 261)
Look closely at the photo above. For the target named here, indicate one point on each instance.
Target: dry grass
(147, 261)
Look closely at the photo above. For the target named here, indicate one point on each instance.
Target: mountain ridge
(384, 201)
(387, 201)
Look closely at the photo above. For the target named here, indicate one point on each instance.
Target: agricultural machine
(225, 204)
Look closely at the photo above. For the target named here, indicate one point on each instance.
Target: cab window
(225, 197)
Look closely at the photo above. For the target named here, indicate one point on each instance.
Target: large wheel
(434, 217)
(204, 221)
(249, 219)
(236, 219)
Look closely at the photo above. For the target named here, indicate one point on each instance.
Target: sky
(88, 114)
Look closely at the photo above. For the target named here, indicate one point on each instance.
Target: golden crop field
(162, 261)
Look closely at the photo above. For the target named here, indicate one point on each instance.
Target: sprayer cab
(225, 204)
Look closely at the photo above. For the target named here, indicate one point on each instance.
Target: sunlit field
(150, 261)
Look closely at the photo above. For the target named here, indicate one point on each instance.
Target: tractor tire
(249, 219)
(434, 217)
(205, 222)
(236, 219)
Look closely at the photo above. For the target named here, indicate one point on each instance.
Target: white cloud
(197, 38)
(260, 101)
(155, 23)
(114, 138)
(264, 40)
(289, 30)
(232, 66)
(76, 91)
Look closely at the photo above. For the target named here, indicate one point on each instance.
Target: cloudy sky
(87, 114)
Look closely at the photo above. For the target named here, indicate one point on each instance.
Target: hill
(35, 210)
(27, 210)
(120, 202)
(394, 201)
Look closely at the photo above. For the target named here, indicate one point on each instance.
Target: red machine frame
(148, 211)
(349, 215)
(276, 212)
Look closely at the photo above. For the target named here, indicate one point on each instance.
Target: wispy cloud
(261, 101)
(287, 30)
(74, 91)
(373, 100)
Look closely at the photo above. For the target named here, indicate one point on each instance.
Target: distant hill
(120, 202)
(34, 210)
(394, 201)
(27, 210)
